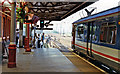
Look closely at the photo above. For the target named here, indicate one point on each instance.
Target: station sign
(49, 24)
(44, 28)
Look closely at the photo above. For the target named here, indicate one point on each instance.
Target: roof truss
(55, 10)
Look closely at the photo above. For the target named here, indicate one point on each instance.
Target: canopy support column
(12, 46)
(21, 35)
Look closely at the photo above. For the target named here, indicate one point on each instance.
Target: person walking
(47, 41)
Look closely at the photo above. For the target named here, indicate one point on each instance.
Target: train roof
(103, 13)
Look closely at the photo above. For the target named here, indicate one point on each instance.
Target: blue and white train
(98, 37)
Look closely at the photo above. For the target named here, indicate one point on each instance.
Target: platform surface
(41, 60)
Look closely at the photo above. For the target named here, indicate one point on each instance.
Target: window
(80, 30)
(93, 32)
(108, 31)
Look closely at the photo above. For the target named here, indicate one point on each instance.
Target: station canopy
(56, 11)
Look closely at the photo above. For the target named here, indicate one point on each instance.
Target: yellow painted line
(28, 53)
(84, 60)
(87, 61)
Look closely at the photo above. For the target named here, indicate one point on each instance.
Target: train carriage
(98, 37)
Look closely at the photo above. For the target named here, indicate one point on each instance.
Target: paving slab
(41, 60)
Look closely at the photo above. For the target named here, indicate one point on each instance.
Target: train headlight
(119, 22)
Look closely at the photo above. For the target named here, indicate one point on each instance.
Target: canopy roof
(56, 10)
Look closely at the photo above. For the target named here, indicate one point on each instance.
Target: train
(98, 37)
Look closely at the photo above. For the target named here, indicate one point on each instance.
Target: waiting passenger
(42, 38)
(39, 39)
(17, 36)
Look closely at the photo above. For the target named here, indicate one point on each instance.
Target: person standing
(43, 38)
(34, 40)
(39, 39)
(17, 36)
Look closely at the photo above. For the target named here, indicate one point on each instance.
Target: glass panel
(80, 31)
(94, 35)
(85, 31)
(108, 31)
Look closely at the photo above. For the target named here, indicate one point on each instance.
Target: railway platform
(41, 60)
(48, 60)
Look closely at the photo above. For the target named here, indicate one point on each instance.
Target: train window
(94, 31)
(108, 32)
(80, 32)
(85, 32)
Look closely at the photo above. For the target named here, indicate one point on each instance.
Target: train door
(89, 38)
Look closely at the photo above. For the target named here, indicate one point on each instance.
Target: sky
(65, 25)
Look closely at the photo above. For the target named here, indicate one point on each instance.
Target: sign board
(41, 23)
(49, 24)
(37, 25)
(44, 28)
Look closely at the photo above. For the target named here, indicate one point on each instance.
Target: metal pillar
(73, 34)
(12, 46)
(34, 36)
(28, 38)
(91, 39)
(88, 37)
(25, 45)
(21, 36)
(21, 33)
(26, 31)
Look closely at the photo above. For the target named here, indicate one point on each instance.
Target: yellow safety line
(85, 60)
(88, 61)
